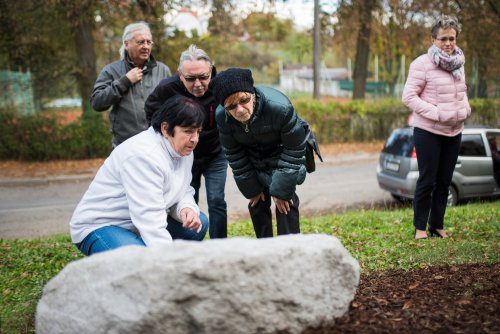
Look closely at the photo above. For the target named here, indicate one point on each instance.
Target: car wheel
(397, 197)
(452, 196)
(400, 199)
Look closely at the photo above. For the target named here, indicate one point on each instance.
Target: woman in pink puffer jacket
(437, 94)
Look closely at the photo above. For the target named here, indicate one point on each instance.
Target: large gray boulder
(235, 285)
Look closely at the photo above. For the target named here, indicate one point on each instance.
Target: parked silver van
(476, 172)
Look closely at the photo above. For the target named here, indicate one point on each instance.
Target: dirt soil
(446, 299)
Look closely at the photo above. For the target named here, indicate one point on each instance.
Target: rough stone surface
(235, 285)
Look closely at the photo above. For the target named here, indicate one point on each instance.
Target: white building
(184, 20)
(299, 78)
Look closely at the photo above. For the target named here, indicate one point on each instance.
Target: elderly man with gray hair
(194, 73)
(125, 84)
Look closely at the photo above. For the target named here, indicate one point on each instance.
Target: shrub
(368, 120)
(40, 137)
(485, 112)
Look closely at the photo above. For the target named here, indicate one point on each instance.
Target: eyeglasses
(193, 78)
(143, 42)
(446, 39)
(243, 100)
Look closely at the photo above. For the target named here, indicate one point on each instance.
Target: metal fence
(17, 91)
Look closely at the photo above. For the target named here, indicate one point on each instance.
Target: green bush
(485, 112)
(369, 120)
(40, 137)
(353, 121)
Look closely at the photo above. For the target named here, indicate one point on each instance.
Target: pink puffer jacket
(438, 101)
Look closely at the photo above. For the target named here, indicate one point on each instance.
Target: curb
(35, 181)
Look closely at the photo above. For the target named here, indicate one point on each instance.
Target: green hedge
(369, 120)
(41, 138)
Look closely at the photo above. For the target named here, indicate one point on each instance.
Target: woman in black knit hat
(264, 141)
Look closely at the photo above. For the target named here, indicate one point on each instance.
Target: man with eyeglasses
(265, 142)
(125, 84)
(194, 73)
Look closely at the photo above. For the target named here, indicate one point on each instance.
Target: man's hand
(282, 205)
(134, 75)
(255, 200)
(190, 219)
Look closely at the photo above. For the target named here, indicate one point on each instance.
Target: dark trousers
(436, 157)
(262, 217)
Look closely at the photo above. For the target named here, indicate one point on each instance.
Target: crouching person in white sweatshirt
(141, 195)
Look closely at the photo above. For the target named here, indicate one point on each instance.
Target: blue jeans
(436, 158)
(215, 174)
(112, 237)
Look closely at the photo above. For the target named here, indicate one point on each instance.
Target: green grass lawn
(379, 240)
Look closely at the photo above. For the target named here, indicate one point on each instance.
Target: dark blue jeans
(112, 237)
(215, 174)
(262, 218)
(436, 157)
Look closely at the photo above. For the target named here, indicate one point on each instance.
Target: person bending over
(264, 141)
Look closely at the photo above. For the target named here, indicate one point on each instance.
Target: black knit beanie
(231, 81)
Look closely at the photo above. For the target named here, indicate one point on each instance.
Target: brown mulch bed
(446, 299)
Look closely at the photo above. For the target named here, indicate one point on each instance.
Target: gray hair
(128, 34)
(193, 53)
(444, 22)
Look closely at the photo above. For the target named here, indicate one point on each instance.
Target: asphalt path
(41, 207)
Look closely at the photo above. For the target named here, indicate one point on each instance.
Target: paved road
(32, 208)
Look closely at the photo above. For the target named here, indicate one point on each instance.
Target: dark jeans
(262, 218)
(214, 173)
(436, 157)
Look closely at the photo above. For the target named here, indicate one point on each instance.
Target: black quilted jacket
(269, 150)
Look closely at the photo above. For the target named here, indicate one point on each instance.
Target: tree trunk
(86, 73)
(362, 48)
(149, 9)
(482, 89)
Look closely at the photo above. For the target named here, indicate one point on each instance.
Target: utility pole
(316, 60)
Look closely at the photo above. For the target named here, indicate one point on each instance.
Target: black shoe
(434, 233)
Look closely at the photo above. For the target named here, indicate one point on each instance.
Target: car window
(472, 146)
(400, 143)
(494, 141)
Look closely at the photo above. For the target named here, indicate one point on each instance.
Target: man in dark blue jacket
(192, 79)
(264, 141)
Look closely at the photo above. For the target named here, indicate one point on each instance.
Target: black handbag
(311, 149)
